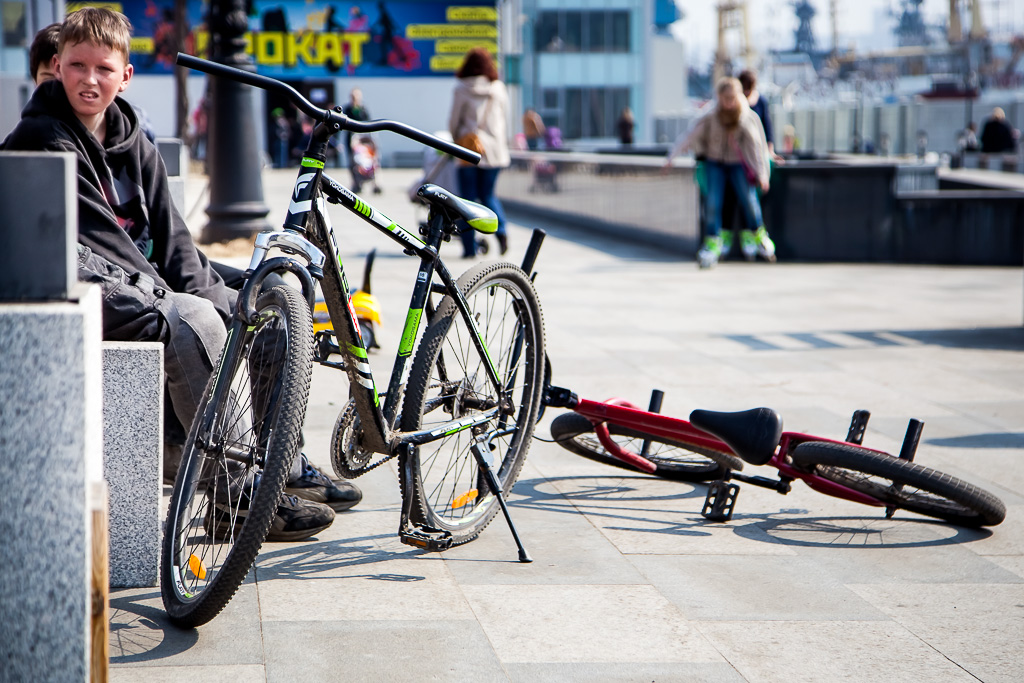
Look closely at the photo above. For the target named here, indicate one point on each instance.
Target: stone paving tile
(392, 651)
(406, 588)
(675, 672)
(753, 588)
(829, 651)
(941, 562)
(586, 624)
(977, 626)
(141, 635)
(175, 674)
(1012, 563)
(564, 545)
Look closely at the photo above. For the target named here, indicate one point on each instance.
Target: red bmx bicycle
(713, 446)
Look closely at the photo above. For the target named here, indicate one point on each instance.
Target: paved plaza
(629, 582)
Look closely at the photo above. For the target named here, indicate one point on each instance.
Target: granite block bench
(133, 395)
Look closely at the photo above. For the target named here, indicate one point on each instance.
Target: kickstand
(482, 453)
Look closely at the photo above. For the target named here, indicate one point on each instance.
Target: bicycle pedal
(431, 540)
(720, 501)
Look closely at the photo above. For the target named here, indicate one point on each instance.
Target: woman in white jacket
(480, 106)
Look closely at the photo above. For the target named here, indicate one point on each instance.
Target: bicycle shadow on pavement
(325, 559)
(617, 498)
(140, 632)
(855, 532)
(618, 504)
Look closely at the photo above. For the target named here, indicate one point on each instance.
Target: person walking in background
(625, 126)
(759, 105)
(533, 129)
(971, 137)
(730, 140)
(357, 111)
(478, 120)
(790, 142)
(997, 136)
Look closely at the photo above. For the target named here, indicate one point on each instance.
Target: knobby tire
(259, 419)
(448, 381)
(901, 484)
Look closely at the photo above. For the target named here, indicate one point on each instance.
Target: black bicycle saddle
(478, 216)
(751, 434)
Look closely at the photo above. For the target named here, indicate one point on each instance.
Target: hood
(480, 86)
(49, 99)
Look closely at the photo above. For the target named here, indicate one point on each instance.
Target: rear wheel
(900, 483)
(676, 461)
(239, 451)
(448, 382)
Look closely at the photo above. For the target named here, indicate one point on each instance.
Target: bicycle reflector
(196, 566)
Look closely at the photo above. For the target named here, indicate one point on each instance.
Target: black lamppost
(233, 160)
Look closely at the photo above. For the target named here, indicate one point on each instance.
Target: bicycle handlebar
(326, 116)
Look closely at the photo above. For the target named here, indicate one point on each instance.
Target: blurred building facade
(578, 62)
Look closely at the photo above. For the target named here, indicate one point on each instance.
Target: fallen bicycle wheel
(901, 484)
(676, 461)
(239, 451)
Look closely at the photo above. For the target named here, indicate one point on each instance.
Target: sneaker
(296, 519)
(726, 244)
(748, 244)
(765, 246)
(709, 253)
(756, 244)
(315, 486)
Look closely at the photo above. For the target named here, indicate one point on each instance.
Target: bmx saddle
(751, 434)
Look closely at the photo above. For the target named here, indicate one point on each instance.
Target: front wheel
(239, 450)
(900, 483)
(675, 461)
(448, 382)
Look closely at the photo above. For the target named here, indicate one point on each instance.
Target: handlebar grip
(318, 114)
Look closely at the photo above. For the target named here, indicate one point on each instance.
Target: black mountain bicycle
(459, 417)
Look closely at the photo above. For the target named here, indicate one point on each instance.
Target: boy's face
(92, 75)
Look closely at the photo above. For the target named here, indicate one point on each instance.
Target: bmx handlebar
(327, 116)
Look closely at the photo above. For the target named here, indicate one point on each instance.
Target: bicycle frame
(313, 190)
(623, 414)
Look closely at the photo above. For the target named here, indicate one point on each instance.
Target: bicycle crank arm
(483, 458)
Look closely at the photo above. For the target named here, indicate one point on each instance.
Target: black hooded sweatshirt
(125, 212)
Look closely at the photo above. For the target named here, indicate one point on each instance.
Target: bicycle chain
(363, 470)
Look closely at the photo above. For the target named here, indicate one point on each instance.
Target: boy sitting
(133, 242)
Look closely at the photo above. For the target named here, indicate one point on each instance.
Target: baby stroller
(365, 163)
(545, 172)
(438, 169)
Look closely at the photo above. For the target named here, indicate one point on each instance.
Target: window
(620, 31)
(585, 112)
(597, 31)
(545, 35)
(575, 31)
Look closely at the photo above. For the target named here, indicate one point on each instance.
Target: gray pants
(189, 327)
(135, 309)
